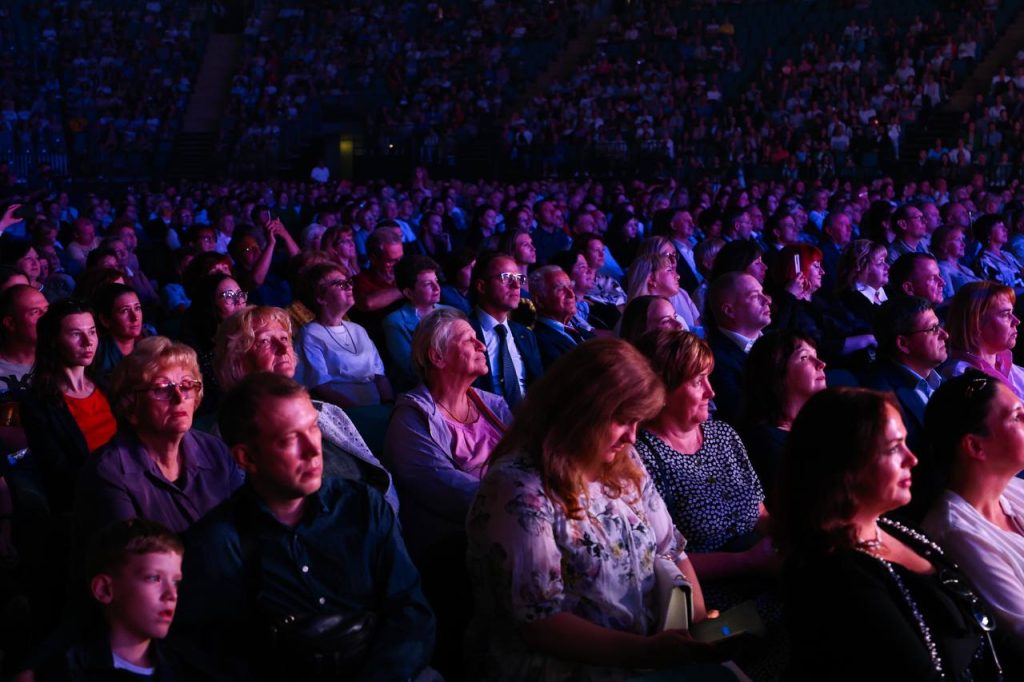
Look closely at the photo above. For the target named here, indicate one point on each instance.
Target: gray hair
(433, 333)
(539, 282)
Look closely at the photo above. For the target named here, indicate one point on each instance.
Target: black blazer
(727, 379)
(526, 344)
(689, 280)
(553, 344)
(57, 447)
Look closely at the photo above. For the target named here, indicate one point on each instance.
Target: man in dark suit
(552, 293)
(739, 309)
(911, 344)
(512, 353)
(837, 231)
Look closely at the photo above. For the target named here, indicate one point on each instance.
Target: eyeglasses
(508, 278)
(236, 296)
(166, 392)
(345, 284)
(934, 330)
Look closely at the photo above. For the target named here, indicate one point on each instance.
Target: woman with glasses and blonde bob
(337, 360)
(976, 428)
(565, 529)
(982, 333)
(157, 466)
(259, 339)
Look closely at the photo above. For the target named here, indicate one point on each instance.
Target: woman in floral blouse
(565, 529)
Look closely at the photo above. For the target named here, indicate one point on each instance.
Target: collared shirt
(876, 296)
(743, 342)
(686, 251)
(558, 327)
(491, 340)
(581, 319)
(345, 555)
(926, 386)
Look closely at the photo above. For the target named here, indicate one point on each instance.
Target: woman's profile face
(693, 398)
(661, 315)
(884, 485)
(805, 373)
(271, 350)
(757, 269)
(465, 354)
(1003, 439)
(77, 340)
(876, 272)
(817, 271)
(665, 280)
(998, 326)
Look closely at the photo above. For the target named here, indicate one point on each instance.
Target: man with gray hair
(555, 299)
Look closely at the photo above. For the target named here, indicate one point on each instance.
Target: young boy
(134, 568)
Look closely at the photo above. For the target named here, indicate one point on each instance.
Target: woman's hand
(670, 647)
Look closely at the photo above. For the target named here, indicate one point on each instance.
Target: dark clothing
(122, 481)
(346, 555)
(450, 296)
(830, 255)
(727, 376)
(550, 243)
(851, 621)
(553, 343)
(525, 342)
(790, 312)
(764, 449)
(57, 446)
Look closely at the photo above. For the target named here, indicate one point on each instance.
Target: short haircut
(897, 317)
(112, 546)
(309, 286)
(983, 227)
(381, 237)
(538, 281)
(970, 303)
(719, 292)
(484, 263)
(710, 247)
(239, 413)
(236, 336)
(103, 299)
(855, 259)
(676, 356)
(901, 271)
(138, 368)
(10, 298)
(900, 214)
(433, 333)
(409, 268)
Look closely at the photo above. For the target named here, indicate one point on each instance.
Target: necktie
(507, 378)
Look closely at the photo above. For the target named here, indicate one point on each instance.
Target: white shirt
(991, 557)
(743, 342)
(487, 325)
(876, 296)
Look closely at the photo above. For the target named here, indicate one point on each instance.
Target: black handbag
(323, 645)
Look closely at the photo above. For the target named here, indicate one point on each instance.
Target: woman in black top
(868, 597)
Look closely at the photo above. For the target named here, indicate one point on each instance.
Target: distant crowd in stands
(353, 401)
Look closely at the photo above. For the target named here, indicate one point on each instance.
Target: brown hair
(676, 356)
(854, 260)
(969, 305)
(138, 368)
(564, 420)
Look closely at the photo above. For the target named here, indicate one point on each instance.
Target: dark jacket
(526, 344)
(58, 448)
(727, 376)
(553, 344)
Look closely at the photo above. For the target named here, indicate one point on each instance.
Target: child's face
(143, 594)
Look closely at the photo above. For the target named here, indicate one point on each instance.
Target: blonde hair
(137, 369)
(641, 271)
(563, 423)
(236, 336)
(969, 305)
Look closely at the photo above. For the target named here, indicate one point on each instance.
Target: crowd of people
(560, 380)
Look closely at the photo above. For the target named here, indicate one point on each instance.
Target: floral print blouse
(529, 561)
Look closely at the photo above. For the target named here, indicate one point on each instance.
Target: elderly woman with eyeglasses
(156, 467)
(337, 360)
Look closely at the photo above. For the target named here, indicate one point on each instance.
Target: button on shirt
(491, 340)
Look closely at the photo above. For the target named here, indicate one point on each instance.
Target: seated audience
(783, 371)
(856, 581)
(259, 339)
(416, 278)
(555, 299)
(458, 276)
(119, 313)
(564, 531)
(337, 359)
(993, 263)
(66, 415)
(982, 333)
(215, 297)
(512, 354)
(974, 426)
(863, 274)
(737, 311)
(917, 274)
(289, 543)
(647, 313)
(949, 246)
(157, 466)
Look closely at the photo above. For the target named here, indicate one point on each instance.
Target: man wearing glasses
(512, 353)
(911, 344)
